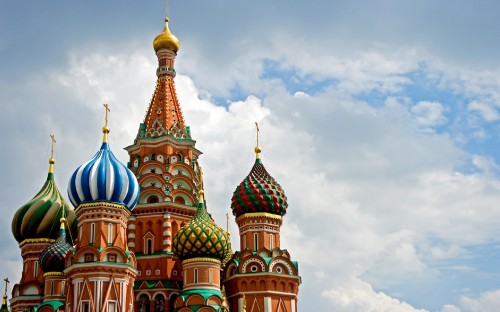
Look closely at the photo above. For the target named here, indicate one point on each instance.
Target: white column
(240, 304)
(292, 303)
(268, 305)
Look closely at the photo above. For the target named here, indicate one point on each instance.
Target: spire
(51, 159)
(105, 129)
(164, 116)
(257, 148)
(4, 300)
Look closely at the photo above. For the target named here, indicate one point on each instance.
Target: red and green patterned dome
(40, 217)
(259, 192)
(202, 237)
(53, 257)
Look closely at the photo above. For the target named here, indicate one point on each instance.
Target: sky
(380, 119)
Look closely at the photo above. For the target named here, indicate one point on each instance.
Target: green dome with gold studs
(202, 237)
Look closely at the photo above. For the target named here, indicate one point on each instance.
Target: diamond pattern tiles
(202, 237)
(259, 192)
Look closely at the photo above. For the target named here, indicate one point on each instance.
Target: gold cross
(6, 284)
(106, 106)
(257, 127)
(52, 137)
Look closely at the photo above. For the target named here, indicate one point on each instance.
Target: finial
(200, 197)
(6, 280)
(51, 160)
(63, 218)
(166, 11)
(257, 148)
(105, 129)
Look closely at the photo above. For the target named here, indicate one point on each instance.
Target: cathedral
(138, 236)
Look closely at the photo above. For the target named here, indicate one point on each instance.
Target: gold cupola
(166, 40)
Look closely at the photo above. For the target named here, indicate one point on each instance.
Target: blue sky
(379, 118)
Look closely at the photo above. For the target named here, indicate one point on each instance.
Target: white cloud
(486, 302)
(486, 111)
(428, 113)
(359, 296)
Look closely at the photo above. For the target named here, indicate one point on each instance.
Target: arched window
(159, 303)
(144, 303)
(153, 199)
(180, 200)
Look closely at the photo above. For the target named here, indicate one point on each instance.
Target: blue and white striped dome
(103, 178)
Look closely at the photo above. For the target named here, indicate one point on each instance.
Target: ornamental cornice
(53, 274)
(259, 215)
(201, 259)
(36, 241)
(100, 204)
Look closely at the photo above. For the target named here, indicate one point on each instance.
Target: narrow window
(244, 241)
(110, 233)
(149, 246)
(92, 233)
(255, 241)
(85, 307)
(196, 276)
(51, 288)
(35, 269)
(271, 241)
(210, 276)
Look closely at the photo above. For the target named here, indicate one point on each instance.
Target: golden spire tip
(200, 197)
(105, 129)
(51, 159)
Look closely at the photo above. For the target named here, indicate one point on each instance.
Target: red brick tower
(165, 161)
(101, 271)
(262, 276)
(35, 226)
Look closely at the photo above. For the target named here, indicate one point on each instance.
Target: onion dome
(259, 192)
(53, 257)
(104, 179)
(202, 237)
(40, 217)
(166, 40)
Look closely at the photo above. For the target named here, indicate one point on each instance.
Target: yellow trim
(201, 260)
(257, 215)
(53, 274)
(100, 204)
(36, 240)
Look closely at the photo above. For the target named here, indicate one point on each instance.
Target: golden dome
(166, 40)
